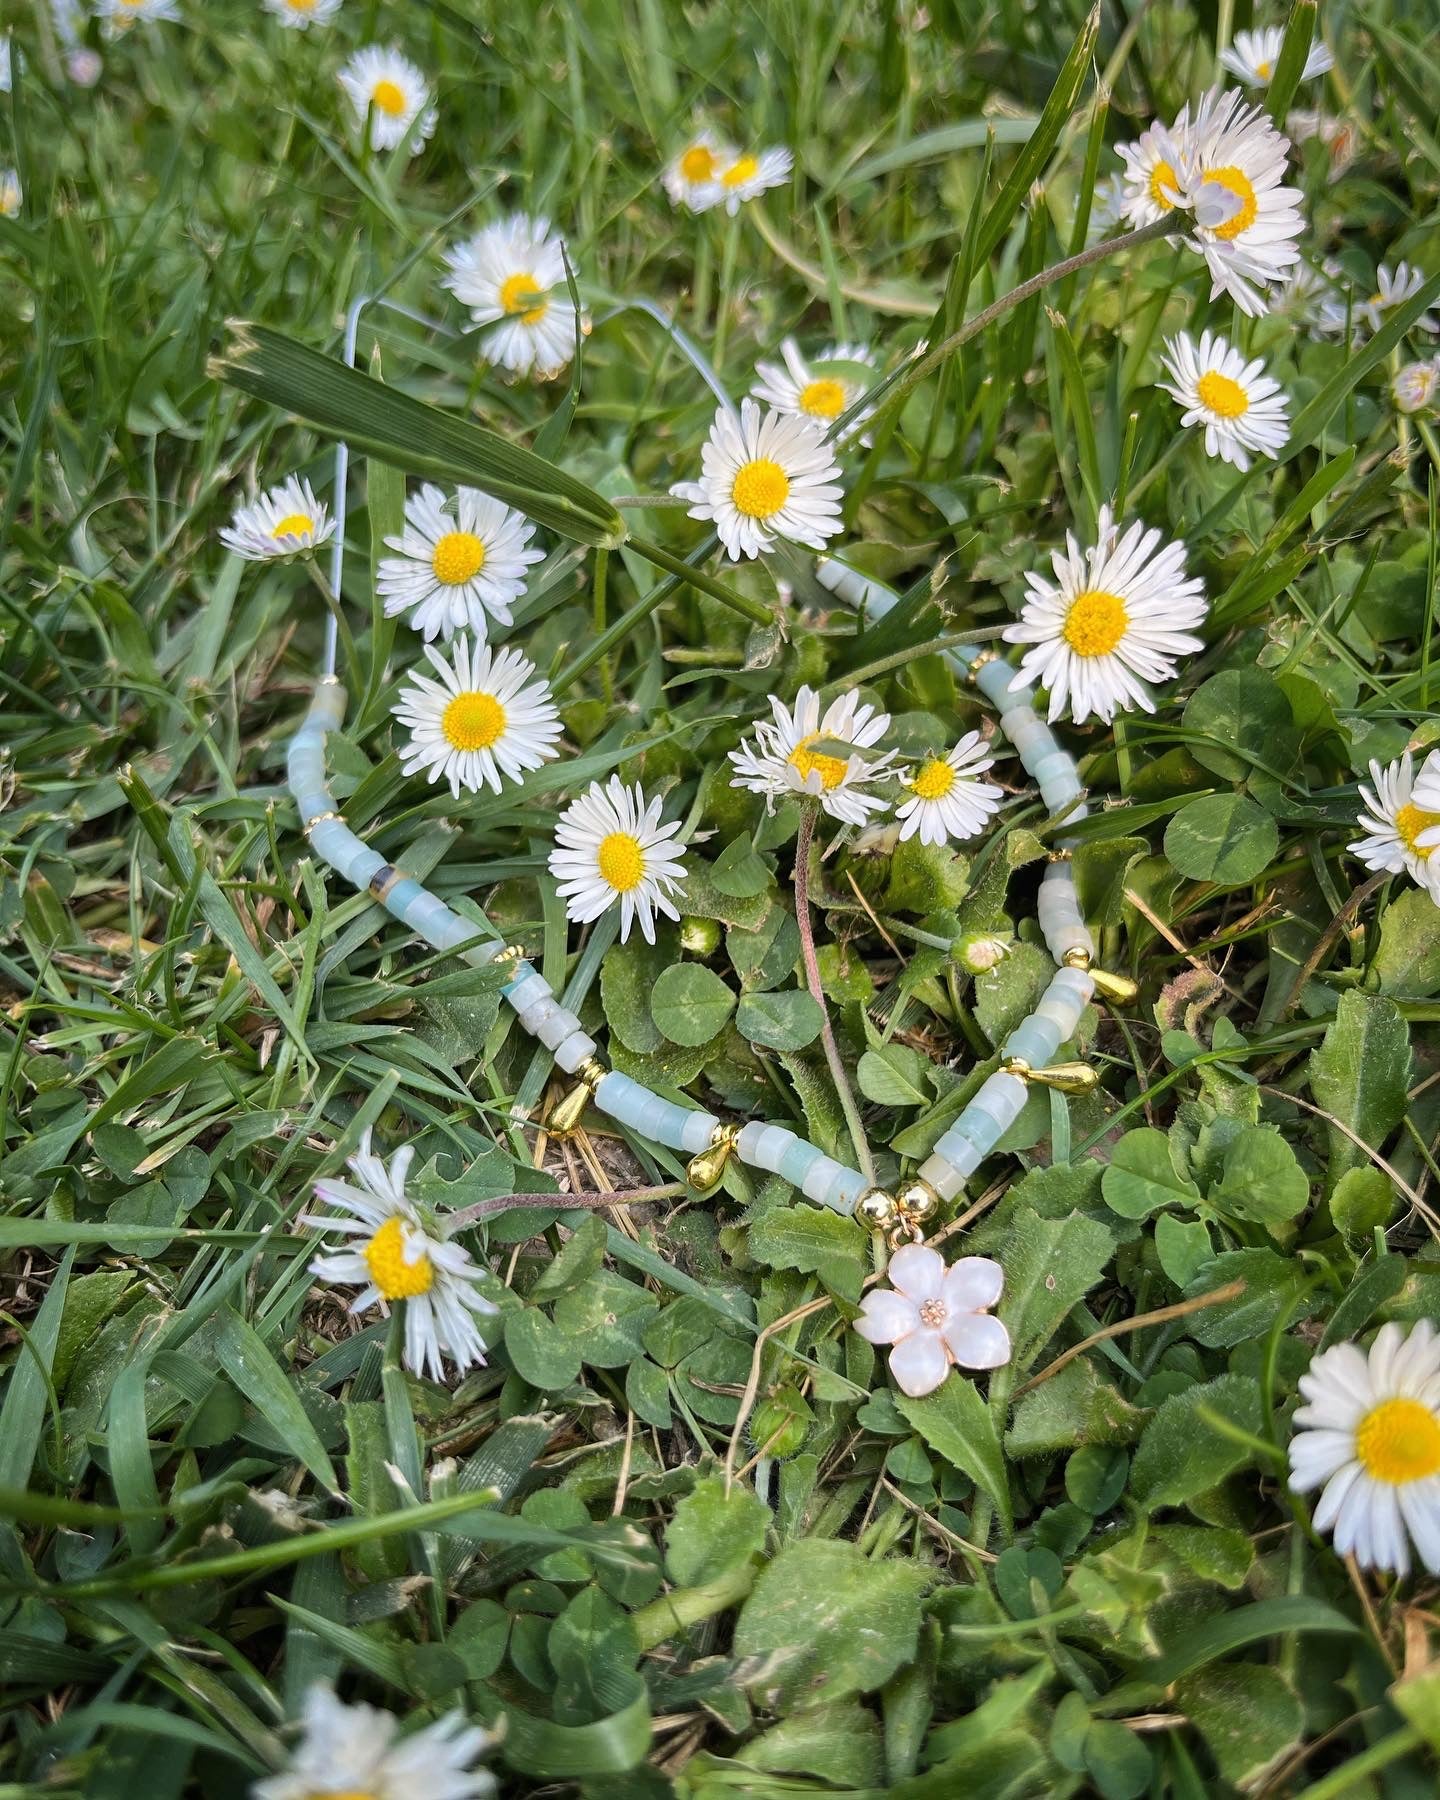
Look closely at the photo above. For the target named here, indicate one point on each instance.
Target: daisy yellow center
(472, 721)
(1265, 70)
(1410, 821)
(621, 861)
(1095, 623)
(823, 399)
(301, 5)
(934, 781)
(933, 1313)
(388, 98)
(522, 297)
(1222, 396)
(1236, 182)
(760, 488)
(1164, 186)
(333, 1793)
(385, 1259)
(293, 525)
(744, 169)
(807, 762)
(1399, 1441)
(457, 556)
(698, 163)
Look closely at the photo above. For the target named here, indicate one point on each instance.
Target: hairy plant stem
(809, 811)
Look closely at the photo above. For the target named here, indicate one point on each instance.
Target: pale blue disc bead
(795, 1164)
(1035, 1040)
(994, 682)
(1002, 1098)
(327, 840)
(621, 1097)
(574, 1050)
(699, 1129)
(963, 1153)
(943, 1175)
(529, 989)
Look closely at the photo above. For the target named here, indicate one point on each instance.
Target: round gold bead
(918, 1201)
(876, 1208)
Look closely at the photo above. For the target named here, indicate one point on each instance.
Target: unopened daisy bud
(699, 937)
(1413, 388)
(10, 194)
(979, 951)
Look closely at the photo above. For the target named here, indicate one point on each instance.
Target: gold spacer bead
(972, 674)
(876, 1208)
(319, 819)
(1061, 856)
(1076, 959)
(512, 953)
(565, 1115)
(707, 1166)
(918, 1201)
(1066, 1078)
(385, 879)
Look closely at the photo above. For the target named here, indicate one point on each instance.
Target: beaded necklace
(1026, 1054)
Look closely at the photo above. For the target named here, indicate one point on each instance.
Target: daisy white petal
(285, 521)
(947, 801)
(1380, 1469)
(1115, 619)
(119, 15)
(797, 752)
(765, 476)
(356, 1750)
(512, 277)
(1254, 55)
(610, 848)
(1393, 290)
(1340, 136)
(403, 1253)
(1413, 388)
(461, 564)
(1397, 824)
(486, 720)
(1242, 409)
(1151, 181)
(387, 92)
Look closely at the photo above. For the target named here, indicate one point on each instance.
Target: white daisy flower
(1240, 406)
(1397, 821)
(691, 179)
(1392, 291)
(801, 752)
(609, 846)
(401, 1252)
(1340, 137)
(10, 194)
(389, 94)
(946, 797)
(1254, 56)
(1151, 181)
(1246, 221)
(1369, 1432)
(285, 521)
(1313, 297)
(1114, 618)
(748, 176)
(765, 476)
(488, 718)
(980, 951)
(935, 1318)
(457, 573)
(1413, 387)
(821, 388)
(512, 277)
(300, 15)
(354, 1753)
(119, 15)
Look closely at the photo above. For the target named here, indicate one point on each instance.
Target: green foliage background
(1086, 1578)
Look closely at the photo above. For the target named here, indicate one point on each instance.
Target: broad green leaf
(783, 1021)
(713, 1528)
(1142, 1177)
(690, 1004)
(1359, 1076)
(1225, 838)
(1050, 1264)
(1180, 1455)
(1249, 1716)
(958, 1425)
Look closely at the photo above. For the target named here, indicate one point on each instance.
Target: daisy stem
(893, 388)
(754, 610)
(729, 257)
(804, 837)
(336, 611)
